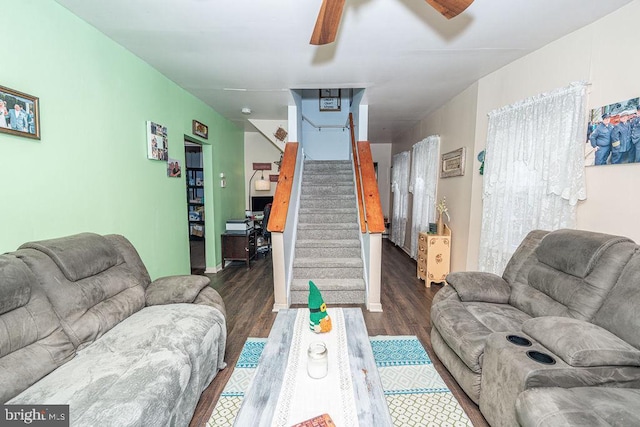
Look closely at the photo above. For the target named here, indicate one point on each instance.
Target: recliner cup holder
(518, 340)
(543, 358)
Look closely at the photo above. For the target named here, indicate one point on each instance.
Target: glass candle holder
(317, 360)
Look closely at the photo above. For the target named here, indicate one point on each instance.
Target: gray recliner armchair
(560, 316)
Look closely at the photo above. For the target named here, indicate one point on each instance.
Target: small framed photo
(19, 113)
(173, 168)
(157, 142)
(453, 163)
(200, 129)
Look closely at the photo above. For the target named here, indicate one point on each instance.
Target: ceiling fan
(331, 11)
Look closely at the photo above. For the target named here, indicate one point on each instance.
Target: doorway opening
(195, 206)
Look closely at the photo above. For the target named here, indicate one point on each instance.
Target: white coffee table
(260, 401)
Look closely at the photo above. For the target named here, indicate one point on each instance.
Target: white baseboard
(213, 270)
(375, 308)
(277, 307)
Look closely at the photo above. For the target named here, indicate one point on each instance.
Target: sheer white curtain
(534, 171)
(424, 179)
(400, 189)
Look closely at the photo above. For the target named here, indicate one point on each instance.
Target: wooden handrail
(354, 149)
(375, 218)
(280, 206)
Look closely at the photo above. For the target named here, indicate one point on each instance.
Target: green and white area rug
(416, 394)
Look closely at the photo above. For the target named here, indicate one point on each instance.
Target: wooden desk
(239, 246)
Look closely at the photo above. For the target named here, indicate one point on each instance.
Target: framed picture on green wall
(157, 142)
(19, 113)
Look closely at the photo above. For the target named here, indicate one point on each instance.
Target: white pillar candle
(317, 361)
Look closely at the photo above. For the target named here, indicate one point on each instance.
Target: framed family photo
(173, 168)
(157, 142)
(613, 134)
(19, 113)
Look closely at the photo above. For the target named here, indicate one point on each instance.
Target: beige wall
(611, 68)
(589, 54)
(455, 123)
(258, 149)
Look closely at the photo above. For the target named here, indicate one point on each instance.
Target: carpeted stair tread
(331, 162)
(329, 234)
(346, 243)
(327, 165)
(342, 178)
(328, 252)
(328, 248)
(338, 174)
(327, 190)
(314, 273)
(331, 297)
(327, 219)
(326, 170)
(334, 226)
(328, 210)
(337, 196)
(315, 187)
(328, 284)
(327, 262)
(328, 203)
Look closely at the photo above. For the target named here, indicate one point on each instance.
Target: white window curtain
(424, 180)
(400, 189)
(534, 171)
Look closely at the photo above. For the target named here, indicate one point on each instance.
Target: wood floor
(248, 295)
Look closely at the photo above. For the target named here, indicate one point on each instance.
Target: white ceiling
(249, 53)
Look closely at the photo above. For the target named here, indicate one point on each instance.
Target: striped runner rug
(415, 393)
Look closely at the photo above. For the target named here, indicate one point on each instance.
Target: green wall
(89, 172)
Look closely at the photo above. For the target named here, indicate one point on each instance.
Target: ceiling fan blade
(450, 8)
(328, 22)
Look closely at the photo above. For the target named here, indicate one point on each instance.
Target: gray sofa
(81, 323)
(560, 324)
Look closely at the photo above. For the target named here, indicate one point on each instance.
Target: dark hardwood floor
(248, 296)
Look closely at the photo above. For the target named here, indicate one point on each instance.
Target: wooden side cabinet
(434, 257)
(239, 247)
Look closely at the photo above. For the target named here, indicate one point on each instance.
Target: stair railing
(356, 167)
(371, 216)
(280, 206)
(319, 127)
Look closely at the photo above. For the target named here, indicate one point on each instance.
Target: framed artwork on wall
(173, 168)
(452, 163)
(330, 100)
(613, 134)
(200, 129)
(19, 113)
(157, 142)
